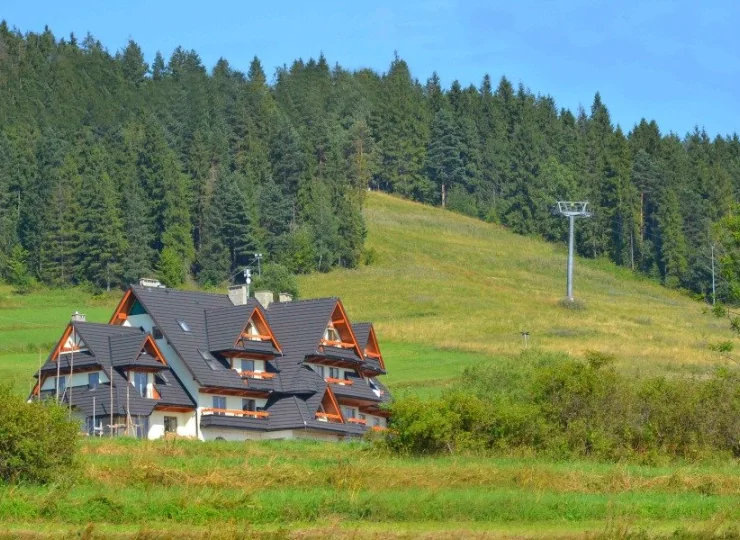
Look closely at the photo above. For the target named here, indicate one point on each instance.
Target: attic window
(331, 334)
(161, 379)
(183, 325)
(214, 364)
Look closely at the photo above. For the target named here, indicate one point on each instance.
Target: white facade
(77, 379)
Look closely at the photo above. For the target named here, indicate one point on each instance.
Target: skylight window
(183, 325)
(214, 364)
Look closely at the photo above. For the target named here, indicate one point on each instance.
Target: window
(376, 421)
(331, 334)
(157, 333)
(183, 325)
(347, 375)
(247, 365)
(170, 424)
(318, 369)
(348, 412)
(249, 404)
(140, 382)
(214, 364)
(61, 384)
(362, 416)
(333, 372)
(93, 380)
(219, 402)
(161, 378)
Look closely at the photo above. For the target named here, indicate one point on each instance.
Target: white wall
(232, 402)
(170, 356)
(185, 424)
(77, 379)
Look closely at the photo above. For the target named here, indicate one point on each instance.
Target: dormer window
(331, 334)
(214, 364)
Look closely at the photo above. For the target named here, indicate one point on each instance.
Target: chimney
(285, 297)
(238, 294)
(264, 297)
(78, 317)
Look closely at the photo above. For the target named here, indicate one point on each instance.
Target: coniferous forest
(112, 168)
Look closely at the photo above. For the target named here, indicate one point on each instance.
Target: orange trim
(340, 344)
(329, 416)
(235, 412)
(357, 421)
(234, 392)
(372, 344)
(124, 304)
(344, 318)
(332, 380)
(257, 375)
(173, 408)
(334, 403)
(255, 337)
(379, 428)
(155, 393)
(60, 343)
(157, 353)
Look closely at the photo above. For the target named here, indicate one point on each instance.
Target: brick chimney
(238, 294)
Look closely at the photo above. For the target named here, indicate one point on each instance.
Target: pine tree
(444, 165)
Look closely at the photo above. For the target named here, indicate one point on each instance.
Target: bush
(38, 443)
(557, 405)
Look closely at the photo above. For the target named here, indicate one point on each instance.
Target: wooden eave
(58, 348)
(121, 312)
(333, 402)
(174, 408)
(234, 392)
(372, 349)
(153, 344)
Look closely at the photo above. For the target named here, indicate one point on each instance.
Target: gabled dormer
(329, 410)
(241, 329)
(70, 342)
(374, 363)
(338, 333)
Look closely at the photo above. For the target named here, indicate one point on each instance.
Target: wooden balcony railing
(257, 375)
(340, 344)
(357, 421)
(372, 355)
(329, 417)
(234, 412)
(332, 380)
(256, 337)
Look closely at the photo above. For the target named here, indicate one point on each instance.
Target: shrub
(554, 404)
(38, 442)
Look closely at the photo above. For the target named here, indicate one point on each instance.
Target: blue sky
(675, 62)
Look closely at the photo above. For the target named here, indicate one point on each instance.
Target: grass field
(311, 490)
(445, 292)
(445, 285)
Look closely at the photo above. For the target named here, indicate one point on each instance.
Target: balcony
(342, 382)
(257, 375)
(233, 412)
(360, 421)
(337, 343)
(328, 417)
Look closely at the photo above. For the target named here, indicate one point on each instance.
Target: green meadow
(445, 292)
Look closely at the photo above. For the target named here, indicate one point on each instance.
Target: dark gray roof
(225, 325)
(166, 307)
(359, 389)
(362, 333)
(75, 361)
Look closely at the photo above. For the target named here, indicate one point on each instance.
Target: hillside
(447, 291)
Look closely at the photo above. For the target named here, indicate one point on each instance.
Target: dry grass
(453, 283)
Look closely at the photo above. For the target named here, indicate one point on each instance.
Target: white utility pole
(572, 210)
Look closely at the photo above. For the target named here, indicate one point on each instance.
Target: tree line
(111, 168)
